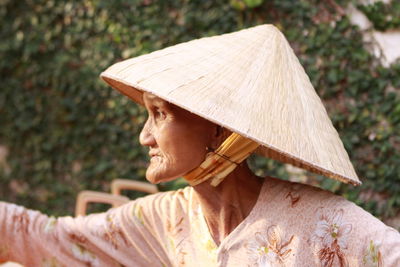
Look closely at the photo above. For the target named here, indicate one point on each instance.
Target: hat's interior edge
(287, 158)
(266, 150)
(129, 91)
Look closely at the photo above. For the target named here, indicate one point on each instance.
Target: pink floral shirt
(290, 225)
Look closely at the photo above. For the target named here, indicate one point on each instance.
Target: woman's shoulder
(315, 207)
(326, 220)
(297, 193)
(313, 200)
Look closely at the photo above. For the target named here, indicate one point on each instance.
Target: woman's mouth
(153, 154)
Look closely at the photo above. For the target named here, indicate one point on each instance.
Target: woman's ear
(219, 135)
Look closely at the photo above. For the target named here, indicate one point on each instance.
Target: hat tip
(268, 29)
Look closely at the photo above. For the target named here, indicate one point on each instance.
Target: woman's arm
(120, 236)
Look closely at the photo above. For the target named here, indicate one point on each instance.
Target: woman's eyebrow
(155, 100)
(152, 99)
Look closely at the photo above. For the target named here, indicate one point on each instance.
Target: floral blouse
(290, 225)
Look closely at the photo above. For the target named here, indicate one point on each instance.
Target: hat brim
(135, 93)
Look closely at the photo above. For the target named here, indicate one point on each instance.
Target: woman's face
(177, 139)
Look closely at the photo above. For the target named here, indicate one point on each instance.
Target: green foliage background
(67, 131)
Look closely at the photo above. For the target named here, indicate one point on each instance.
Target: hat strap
(221, 162)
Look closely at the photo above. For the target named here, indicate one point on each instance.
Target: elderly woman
(212, 102)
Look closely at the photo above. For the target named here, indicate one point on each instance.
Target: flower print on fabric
(50, 225)
(269, 249)
(201, 236)
(114, 233)
(176, 241)
(210, 246)
(82, 254)
(330, 237)
(77, 237)
(52, 262)
(21, 221)
(293, 195)
(79, 251)
(78, 248)
(372, 256)
(137, 212)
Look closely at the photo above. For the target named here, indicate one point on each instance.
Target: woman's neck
(227, 205)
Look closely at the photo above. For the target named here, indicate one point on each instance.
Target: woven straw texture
(250, 82)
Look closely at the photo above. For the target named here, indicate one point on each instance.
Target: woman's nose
(146, 137)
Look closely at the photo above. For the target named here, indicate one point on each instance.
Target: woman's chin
(159, 180)
(156, 177)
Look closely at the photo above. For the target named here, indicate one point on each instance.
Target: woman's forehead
(151, 100)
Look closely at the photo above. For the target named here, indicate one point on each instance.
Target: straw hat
(250, 82)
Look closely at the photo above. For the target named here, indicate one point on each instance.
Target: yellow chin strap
(221, 162)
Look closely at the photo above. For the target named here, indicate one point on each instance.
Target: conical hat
(250, 82)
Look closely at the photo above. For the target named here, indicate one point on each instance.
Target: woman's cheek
(161, 168)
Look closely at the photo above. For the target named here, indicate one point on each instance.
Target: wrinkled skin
(178, 141)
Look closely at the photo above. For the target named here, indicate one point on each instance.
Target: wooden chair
(114, 199)
(117, 185)
(86, 197)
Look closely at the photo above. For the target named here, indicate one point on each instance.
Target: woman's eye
(159, 114)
